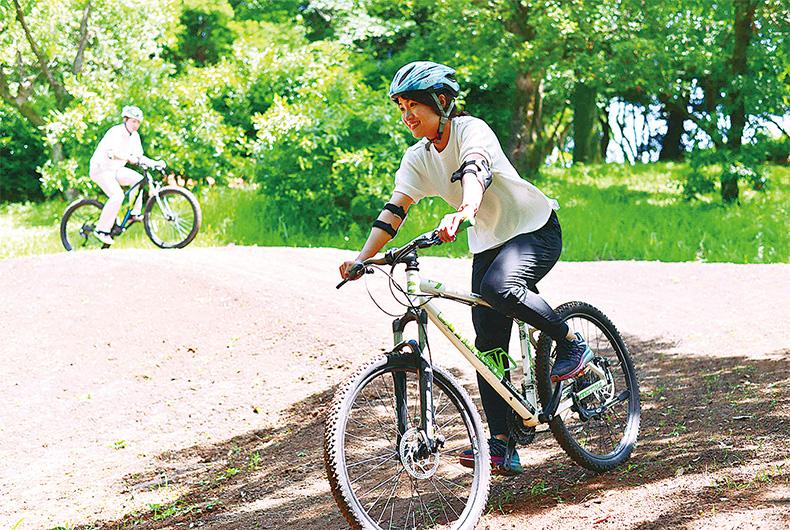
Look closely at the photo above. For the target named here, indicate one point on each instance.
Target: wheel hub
(418, 462)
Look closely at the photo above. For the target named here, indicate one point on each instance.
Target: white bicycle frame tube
(417, 288)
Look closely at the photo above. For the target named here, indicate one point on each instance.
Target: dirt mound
(177, 389)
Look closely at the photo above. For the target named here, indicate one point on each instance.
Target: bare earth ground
(155, 389)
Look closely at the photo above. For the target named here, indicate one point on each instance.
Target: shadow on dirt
(700, 415)
(721, 418)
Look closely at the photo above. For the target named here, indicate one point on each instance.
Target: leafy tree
(328, 147)
(204, 35)
(68, 64)
(718, 65)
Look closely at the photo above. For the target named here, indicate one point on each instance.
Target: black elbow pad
(479, 168)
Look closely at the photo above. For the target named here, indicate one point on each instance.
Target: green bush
(21, 151)
(327, 152)
(707, 167)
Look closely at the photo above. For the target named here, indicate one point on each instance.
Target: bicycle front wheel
(79, 223)
(600, 429)
(378, 478)
(172, 218)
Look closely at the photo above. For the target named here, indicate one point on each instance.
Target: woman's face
(421, 119)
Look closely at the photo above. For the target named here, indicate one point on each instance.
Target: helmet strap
(444, 117)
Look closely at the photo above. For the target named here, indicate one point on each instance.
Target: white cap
(130, 111)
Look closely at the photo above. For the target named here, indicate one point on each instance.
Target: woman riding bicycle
(119, 146)
(516, 238)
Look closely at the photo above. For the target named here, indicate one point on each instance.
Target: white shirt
(119, 142)
(510, 206)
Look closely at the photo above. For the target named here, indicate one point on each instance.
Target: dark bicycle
(171, 216)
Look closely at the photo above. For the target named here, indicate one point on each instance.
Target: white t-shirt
(510, 206)
(119, 141)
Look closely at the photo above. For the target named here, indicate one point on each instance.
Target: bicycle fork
(431, 441)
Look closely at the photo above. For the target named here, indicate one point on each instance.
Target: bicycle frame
(419, 290)
(153, 190)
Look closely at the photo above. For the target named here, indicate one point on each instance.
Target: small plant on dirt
(120, 444)
(538, 488)
(213, 503)
(160, 512)
(729, 483)
(504, 497)
(229, 472)
(745, 369)
(656, 393)
(255, 461)
(679, 429)
(632, 467)
(712, 381)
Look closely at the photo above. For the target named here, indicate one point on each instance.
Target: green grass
(607, 212)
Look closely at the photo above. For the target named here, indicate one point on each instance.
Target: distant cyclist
(516, 239)
(119, 146)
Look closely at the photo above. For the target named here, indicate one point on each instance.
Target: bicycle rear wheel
(79, 223)
(374, 481)
(172, 219)
(602, 441)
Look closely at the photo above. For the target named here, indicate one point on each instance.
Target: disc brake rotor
(411, 453)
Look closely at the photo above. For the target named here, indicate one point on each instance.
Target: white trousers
(110, 183)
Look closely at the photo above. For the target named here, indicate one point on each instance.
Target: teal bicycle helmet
(430, 77)
(424, 75)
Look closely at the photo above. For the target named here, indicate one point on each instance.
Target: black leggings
(506, 278)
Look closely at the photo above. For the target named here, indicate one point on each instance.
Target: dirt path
(184, 389)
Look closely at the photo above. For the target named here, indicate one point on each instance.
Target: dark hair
(424, 97)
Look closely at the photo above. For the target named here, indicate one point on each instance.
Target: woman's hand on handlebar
(351, 270)
(448, 227)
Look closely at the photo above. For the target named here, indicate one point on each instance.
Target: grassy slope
(607, 212)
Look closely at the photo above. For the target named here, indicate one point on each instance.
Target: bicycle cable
(392, 282)
(411, 305)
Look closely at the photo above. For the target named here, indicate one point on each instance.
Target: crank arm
(586, 414)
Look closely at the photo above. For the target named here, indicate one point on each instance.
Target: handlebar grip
(355, 272)
(465, 224)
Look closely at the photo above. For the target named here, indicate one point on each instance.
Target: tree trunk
(59, 156)
(744, 19)
(526, 149)
(729, 188)
(585, 112)
(672, 144)
(606, 133)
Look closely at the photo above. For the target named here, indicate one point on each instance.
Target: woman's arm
(474, 185)
(384, 229)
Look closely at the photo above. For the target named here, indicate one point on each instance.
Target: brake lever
(365, 270)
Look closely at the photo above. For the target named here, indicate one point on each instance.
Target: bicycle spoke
(392, 492)
(434, 484)
(374, 468)
(378, 457)
(377, 486)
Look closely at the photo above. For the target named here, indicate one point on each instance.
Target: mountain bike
(397, 426)
(171, 216)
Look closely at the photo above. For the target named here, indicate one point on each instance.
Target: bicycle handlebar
(155, 167)
(395, 255)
